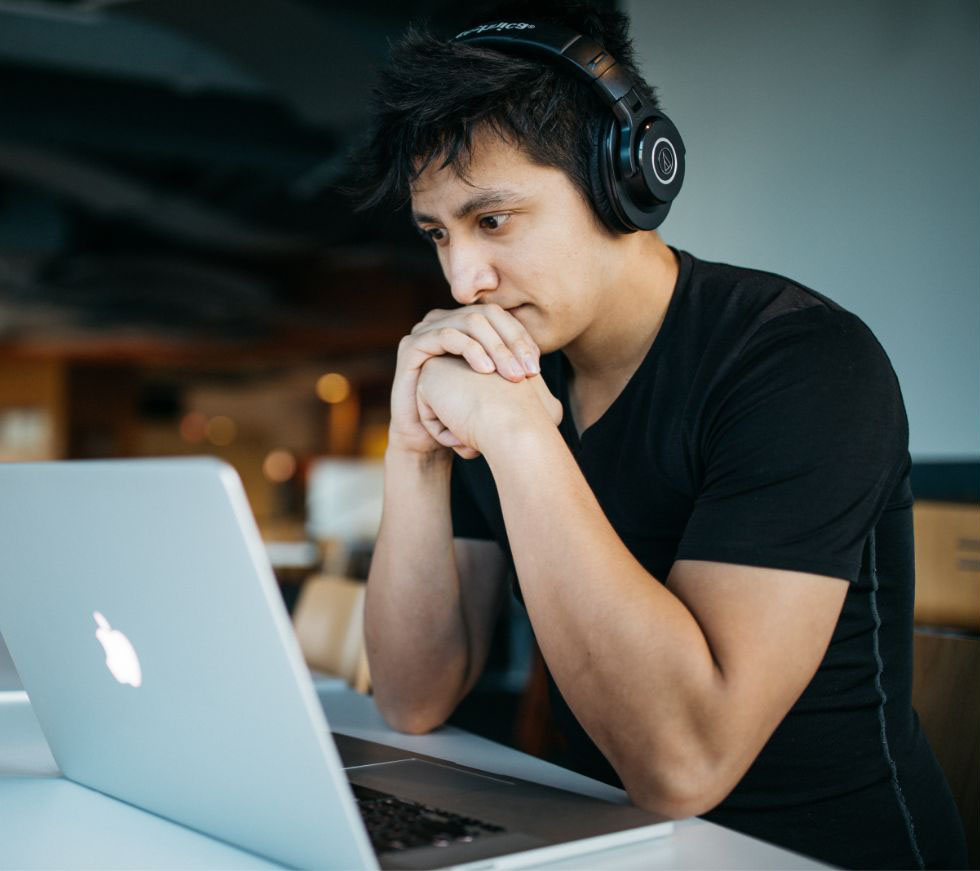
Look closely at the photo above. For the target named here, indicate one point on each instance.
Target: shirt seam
(883, 698)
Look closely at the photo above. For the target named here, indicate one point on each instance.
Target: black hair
(435, 95)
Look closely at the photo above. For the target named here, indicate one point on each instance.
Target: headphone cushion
(600, 195)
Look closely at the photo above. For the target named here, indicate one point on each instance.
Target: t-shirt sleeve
(468, 519)
(803, 442)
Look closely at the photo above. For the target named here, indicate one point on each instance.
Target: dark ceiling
(171, 167)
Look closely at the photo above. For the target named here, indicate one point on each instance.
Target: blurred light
(374, 441)
(332, 387)
(279, 465)
(193, 427)
(221, 430)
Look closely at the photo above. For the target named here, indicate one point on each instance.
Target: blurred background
(179, 274)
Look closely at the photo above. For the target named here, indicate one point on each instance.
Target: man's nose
(470, 274)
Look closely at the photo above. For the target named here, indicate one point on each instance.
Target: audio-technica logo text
(499, 26)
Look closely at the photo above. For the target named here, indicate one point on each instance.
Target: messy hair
(435, 96)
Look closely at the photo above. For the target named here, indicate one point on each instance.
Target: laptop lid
(9, 680)
(127, 590)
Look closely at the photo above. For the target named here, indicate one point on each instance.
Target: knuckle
(474, 320)
(493, 307)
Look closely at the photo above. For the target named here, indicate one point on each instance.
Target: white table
(47, 821)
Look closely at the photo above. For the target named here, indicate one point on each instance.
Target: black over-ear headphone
(638, 162)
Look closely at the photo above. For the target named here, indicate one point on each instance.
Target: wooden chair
(946, 696)
(329, 623)
(946, 680)
(947, 565)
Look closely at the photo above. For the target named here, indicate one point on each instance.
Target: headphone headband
(552, 41)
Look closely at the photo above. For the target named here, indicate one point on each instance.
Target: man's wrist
(425, 464)
(506, 429)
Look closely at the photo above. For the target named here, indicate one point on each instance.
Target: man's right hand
(488, 337)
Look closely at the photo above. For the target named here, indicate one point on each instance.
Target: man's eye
(433, 234)
(494, 222)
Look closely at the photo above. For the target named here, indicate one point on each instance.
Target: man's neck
(635, 303)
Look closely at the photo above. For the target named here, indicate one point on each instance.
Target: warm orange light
(332, 387)
(193, 427)
(279, 465)
(221, 430)
(374, 441)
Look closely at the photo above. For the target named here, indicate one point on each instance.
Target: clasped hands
(466, 378)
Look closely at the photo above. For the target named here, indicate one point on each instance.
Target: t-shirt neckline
(567, 426)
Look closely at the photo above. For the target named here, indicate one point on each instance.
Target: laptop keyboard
(396, 824)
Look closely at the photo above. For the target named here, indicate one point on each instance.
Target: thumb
(554, 409)
(550, 403)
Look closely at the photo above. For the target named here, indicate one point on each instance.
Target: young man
(697, 473)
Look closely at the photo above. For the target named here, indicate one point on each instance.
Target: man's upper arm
(768, 630)
(806, 440)
(482, 570)
(805, 443)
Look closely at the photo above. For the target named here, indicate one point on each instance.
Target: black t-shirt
(765, 427)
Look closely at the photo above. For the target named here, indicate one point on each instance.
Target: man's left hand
(462, 408)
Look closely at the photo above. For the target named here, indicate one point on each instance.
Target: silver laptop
(145, 623)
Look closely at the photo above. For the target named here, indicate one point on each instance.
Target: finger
(447, 439)
(448, 340)
(433, 427)
(427, 417)
(503, 337)
(415, 349)
(515, 336)
(435, 315)
(467, 453)
(508, 327)
(474, 323)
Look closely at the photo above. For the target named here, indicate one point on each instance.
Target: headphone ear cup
(597, 179)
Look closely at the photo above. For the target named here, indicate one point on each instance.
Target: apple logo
(120, 656)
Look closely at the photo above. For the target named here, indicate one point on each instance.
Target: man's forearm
(414, 626)
(627, 655)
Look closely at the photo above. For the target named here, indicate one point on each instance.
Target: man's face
(519, 235)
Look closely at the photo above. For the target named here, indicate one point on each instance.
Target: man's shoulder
(723, 288)
(768, 334)
(737, 306)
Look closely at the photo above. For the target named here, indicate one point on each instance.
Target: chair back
(946, 696)
(329, 623)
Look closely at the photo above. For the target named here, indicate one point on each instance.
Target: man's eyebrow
(477, 203)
